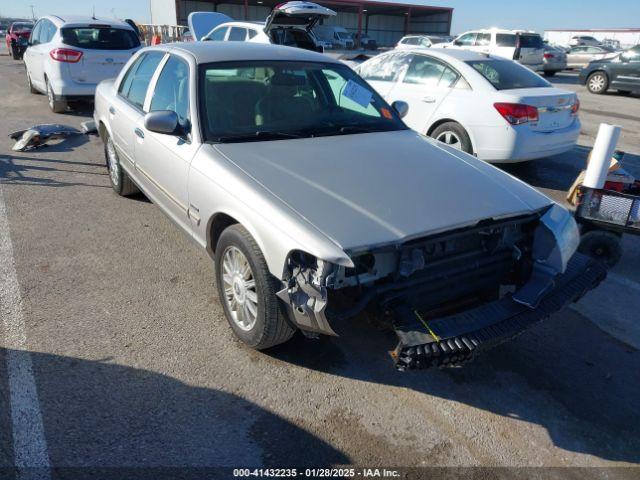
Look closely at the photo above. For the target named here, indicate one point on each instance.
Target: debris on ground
(89, 127)
(38, 135)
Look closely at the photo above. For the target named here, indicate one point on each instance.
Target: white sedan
(488, 106)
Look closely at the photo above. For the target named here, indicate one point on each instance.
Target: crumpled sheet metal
(38, 135)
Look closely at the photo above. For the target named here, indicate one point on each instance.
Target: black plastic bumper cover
(457, 338)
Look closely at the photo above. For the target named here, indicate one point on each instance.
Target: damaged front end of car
(450, 295)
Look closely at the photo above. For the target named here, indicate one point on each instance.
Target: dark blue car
(621, 73)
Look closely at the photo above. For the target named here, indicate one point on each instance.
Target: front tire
(247, 291)
(452, 134)
(56, 106)
(550, 73)
(120, 181)
(598, 83)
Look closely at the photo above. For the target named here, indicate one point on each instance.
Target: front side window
(252, 33)
(466, 39)
(507, 75)
(172, 89)
(273, 100)
(100, 38)
(237, 34)
(136, 81)
(384, 68)
(35, 33)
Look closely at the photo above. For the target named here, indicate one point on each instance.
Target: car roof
(206, 52)
(499, 30)
(80, 21)
(453, 53)
(252, 25)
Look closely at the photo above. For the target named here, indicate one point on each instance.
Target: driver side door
(164, 160)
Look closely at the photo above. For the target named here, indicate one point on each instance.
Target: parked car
(366, 42)
(621, 72)
(554, 60)
(68, 56)
(488, 106)
(16, 38)
(339, 37)
(583, 40)
(579, 57)
(414, 41)
(315, 200)
(288, 24)
(522, 46)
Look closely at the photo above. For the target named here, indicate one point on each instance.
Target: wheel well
(102, 129)
(442, 121)
(598, 71)
(219, 223)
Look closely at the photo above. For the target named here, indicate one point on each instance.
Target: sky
(468, 14)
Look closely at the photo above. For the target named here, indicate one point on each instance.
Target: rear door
(577, 57)
(424, 86)
(627, 70)
(105, 50)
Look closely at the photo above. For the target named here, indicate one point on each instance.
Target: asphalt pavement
(115, 351)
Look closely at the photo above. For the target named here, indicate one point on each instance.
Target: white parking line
(29, 444)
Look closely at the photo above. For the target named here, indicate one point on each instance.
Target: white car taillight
(575, 107)
(67, 55)
(517, 113)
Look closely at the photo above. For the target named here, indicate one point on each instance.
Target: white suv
(67, 57)
(527, 48)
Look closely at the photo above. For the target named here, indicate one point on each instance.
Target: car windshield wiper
(258, 136)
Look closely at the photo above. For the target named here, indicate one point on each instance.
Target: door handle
(428, 99)
(112, 110)
(139, 133)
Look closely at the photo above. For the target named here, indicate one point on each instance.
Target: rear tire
(56, 106)
(264, 322)
(452, 134)
(602, 246)
(120, 181)
(15, 53)
(598, 83)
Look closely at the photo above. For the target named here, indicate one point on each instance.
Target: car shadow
(565, 78)
(98, 414)
(566, 375)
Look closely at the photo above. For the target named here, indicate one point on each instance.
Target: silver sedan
(316, 201)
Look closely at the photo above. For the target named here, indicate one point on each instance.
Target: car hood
(367, 190)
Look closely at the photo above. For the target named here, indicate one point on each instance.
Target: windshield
(273, 100)
(100, 38)
(507, 75)
(22, 27)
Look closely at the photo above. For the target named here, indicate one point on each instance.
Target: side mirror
(624, 57)
(457, 43)
(163, 121)
(402, 108)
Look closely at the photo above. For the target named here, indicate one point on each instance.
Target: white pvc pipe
(601, 154)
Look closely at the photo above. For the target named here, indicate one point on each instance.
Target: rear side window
(136, 82)
(172, 89)
(252, 33)
(507, 75)
(100, 38)
(505, 40)
(218, 35)
(531, 41)
(237, 35)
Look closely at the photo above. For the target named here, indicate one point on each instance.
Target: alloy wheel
(597, 82)
(112, 160)
(451, 139)
(240, 292)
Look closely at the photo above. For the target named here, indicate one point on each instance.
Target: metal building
(384, 20)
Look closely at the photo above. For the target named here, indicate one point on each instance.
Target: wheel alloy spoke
(239, 286)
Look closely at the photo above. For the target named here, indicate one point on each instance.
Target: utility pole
(33, 13)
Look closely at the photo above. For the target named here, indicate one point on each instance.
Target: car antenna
(93, 17)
